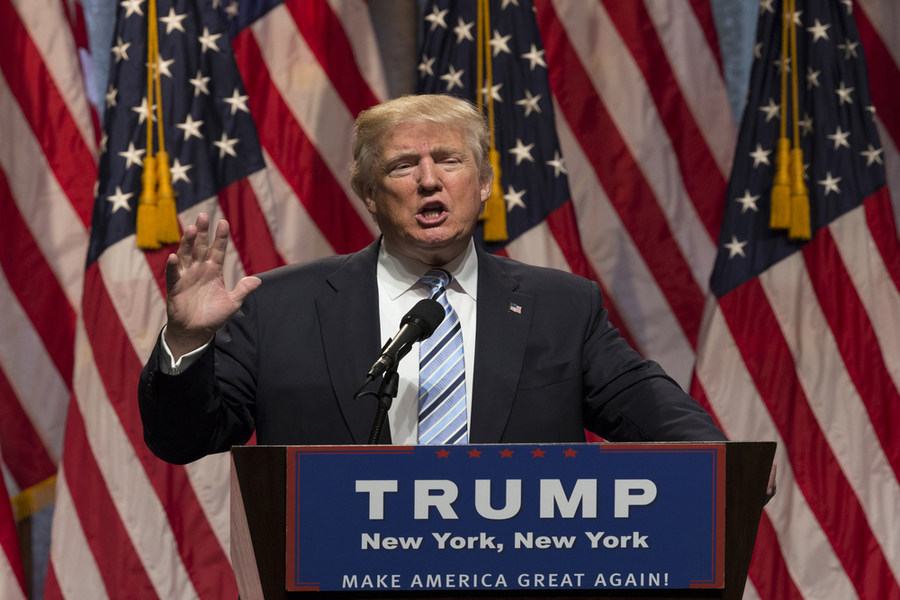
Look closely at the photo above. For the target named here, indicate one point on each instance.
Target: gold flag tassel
(147, 204)
(780, 217)
(494, 214)
(800, 218)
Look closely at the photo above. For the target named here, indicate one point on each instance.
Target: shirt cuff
(167, 362)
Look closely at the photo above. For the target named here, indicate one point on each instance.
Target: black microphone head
(427, 314)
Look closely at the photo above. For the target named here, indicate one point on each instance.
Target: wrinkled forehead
(416, 137)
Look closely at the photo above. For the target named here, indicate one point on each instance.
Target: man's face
(427, 193)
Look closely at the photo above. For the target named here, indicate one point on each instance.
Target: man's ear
(369, 202)
(486, 186)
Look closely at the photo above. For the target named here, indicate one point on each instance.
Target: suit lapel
(349, 320)
(501, 337)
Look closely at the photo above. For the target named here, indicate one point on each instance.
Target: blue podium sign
(495, 517)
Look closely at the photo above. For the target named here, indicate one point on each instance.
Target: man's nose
(429, 175)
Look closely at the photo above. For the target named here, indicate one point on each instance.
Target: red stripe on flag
(325, 36)
(563, 225)
(620, 175)
(36, 286)
(200, 551)
(249, 230)
(46, 112)
(113, 550)
(703, 12)
(880, 219)
(757, 334)
(703, 180)
(51, 584)
(884, 76)
(22, 448)
(855, 337)
(768, 570)
(289, 147)
(698, 393)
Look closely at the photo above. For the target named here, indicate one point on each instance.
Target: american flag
(47, 175)
(799, 344)
(640, 108)
(125, 522)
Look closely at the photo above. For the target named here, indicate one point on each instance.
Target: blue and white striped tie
(442, 373)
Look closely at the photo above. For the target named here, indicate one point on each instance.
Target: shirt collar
(398, 273)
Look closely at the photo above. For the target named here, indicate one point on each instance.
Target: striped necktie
(442, 373)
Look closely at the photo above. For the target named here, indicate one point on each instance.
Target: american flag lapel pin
(513, 307)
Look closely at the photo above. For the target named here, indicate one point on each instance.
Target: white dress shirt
(399, 289)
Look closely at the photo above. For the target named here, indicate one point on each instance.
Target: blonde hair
(373, 124)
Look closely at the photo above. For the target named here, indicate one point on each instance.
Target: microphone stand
(386, 394)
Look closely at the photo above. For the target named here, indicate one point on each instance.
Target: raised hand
(198, 303)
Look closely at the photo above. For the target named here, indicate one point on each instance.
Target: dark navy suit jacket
(288, 363)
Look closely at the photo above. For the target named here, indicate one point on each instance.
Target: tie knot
(436, 279)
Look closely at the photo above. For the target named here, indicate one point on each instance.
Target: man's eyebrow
(443, 149)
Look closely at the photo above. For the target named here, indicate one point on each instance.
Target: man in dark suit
(282, 354)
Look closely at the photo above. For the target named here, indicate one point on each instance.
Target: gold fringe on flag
(800, 218)
(790, 200)
(157, 218)
(780, 217)
(494, 214)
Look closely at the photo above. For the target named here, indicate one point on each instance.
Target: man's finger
(185, 251)
(244, 287)
(173, 273)
(201, 244)
(219, 243)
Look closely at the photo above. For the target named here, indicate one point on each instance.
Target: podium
(259, 523)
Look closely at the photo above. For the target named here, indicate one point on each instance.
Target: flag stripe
(633, 22)
(823, 375)
(51, 218)
(652, 327)
(885, 84)
(645, 153)
(31, 372)
(327, 39)
(46, 111)
(295, 233)
(857, 341)
(704, 14)
(288, 145)
(35, 285)
(312, 100)
(82, 579)
(355, 17)
(252, 236)
(698, 70)
(768, 570)
(24, 452)
(611, 160)
(564, 226)
(769, 360)
(744, 416)
(109, 541)
(54, 35)
(197, 545)
(880, 224)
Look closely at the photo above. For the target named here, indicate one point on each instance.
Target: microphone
(418, 324)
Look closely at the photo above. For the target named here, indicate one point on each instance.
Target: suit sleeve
(629, 399)
(210, 406)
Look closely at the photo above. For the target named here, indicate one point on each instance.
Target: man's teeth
(431, 213)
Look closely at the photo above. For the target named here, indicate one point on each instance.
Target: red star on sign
(570, 453)
(538, 453)
(506, 453)
(474, 453)
(442, 453)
